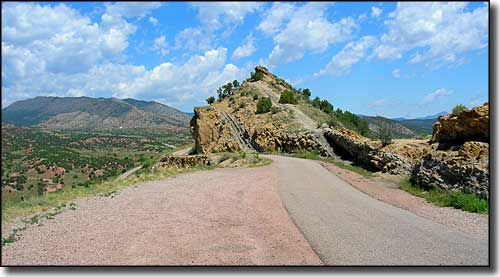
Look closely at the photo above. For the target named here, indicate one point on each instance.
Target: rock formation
(232, 124)
(389, 159)
(469, 125)
(459, 158)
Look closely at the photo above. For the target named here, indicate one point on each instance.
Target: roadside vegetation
(12, 208)
(459, 200)
(314, 155)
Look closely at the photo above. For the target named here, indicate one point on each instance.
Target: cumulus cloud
(153, 21)
(298, 29)
(58, 39)
(213, 17)
(131, 9)
(168, 83)
(160, 45)
(396, 73)
(436, 95)
(194, 80)
(54, 50)
(246, 49)
(215, 14)
(439, 32)
(352, 53)
(376, 12)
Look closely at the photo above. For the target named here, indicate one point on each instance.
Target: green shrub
(210, 100)
(326, 107)
(385, 136)
(255, 96)
(458, 109)
(288, 97)
(256, 76)
(264, 105)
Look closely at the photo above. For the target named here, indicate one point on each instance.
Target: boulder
(468, 125)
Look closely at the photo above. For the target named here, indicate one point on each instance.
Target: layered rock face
(232, 124)
(371, 153)
(469, 125)
(465, 170)
(459, 158)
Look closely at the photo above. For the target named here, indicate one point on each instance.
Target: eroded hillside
(233, 124)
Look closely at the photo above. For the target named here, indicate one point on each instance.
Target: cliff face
(233, 124)
(469, 125)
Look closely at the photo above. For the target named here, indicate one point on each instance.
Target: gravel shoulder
(217, 217)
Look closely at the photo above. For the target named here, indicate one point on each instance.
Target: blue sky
(374, 58)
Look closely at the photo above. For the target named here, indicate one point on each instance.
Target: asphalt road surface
(346, 227)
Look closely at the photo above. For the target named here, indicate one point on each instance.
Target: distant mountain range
(95, 113)
(434, 116)
(403, 127)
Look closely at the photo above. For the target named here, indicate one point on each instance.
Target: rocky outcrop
(465, 169)
(232, 125)
(211, 133)
(369, 153)
(469, 125)
(182, 161)
(458, 159)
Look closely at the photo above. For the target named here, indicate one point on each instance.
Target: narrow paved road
(346, 227)
(236, 217)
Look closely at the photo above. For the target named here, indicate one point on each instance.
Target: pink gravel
(470, 223)
(217, 217)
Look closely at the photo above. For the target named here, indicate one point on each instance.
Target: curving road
(237, 217)
(346, 227)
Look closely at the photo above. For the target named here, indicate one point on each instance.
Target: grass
(459, 200)
(33, 204)
(314, 155)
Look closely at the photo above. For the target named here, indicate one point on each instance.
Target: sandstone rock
(469, 125)
(232, 125)
(369, 153)
(465, 170)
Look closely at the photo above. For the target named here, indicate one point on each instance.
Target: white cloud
(213, 17)
(376, 12)
(436, 95)
(193, 39)
(377, 103)
(153, 21)
(299, 29)
(215, 14)
(58, 39)
(396, 73)
(194, 80)
(352, 53)
(131, 9)
(54, 50)
(439, 31)
(246, 49)
(160, 44)
(169, 83)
